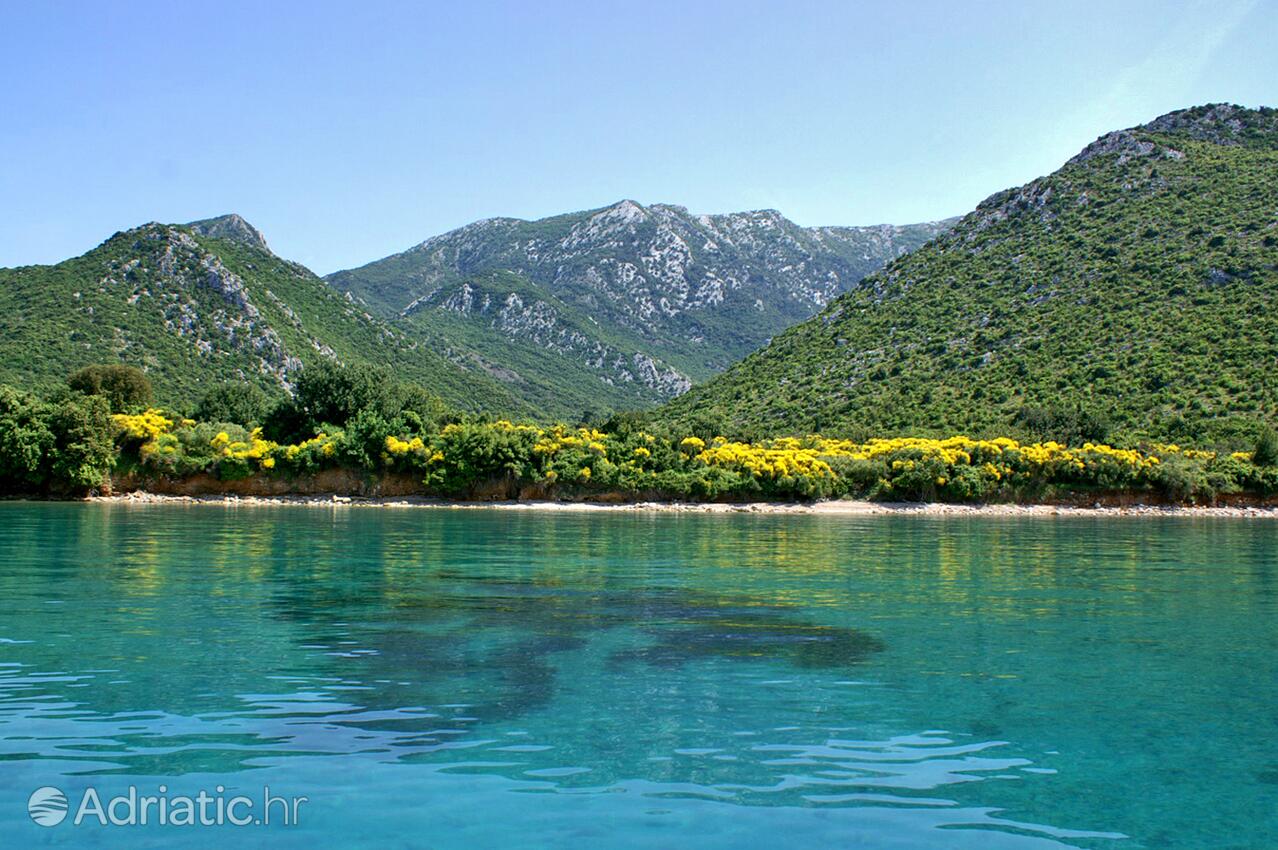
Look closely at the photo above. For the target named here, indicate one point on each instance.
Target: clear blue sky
(348, 131)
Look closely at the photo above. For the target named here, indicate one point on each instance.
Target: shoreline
(840, 507)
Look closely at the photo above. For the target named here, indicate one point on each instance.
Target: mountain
(202, 303)
(1138, 284)
(625, 305)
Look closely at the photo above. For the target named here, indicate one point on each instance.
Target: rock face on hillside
(201, 300)
(510, 307)
(1136, 287)
(652, 297)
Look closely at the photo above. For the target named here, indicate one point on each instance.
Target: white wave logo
(47, 806)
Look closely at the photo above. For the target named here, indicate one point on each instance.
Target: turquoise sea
(444, 679)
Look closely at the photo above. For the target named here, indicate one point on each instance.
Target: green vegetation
(205, 304)
(124, 387)
(208, 303)
(501, 459)
(360, 419)
(244, 403)
(331, 397)
(1131, 295)
(1266, 451)
(62, 445)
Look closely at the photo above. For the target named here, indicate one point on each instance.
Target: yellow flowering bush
(395, 447)
(244, 456)
(148, 425)
(310, 455)
(184, 447)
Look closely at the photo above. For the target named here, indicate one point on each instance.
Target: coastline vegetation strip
(460, 458)
(575, 462)
(362, 422)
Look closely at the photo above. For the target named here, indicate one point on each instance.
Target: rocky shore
(844, 507)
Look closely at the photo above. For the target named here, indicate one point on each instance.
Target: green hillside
(626, 305)
(548, 350)
(1135, 291)
(194, 311)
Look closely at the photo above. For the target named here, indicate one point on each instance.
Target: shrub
(287, 422)
(1182, 479)
(191, 450)
(858, 476)
(363, 442)
(706, 425)
(421, 411)
(466, 455)
(967, 484)
(916, 477)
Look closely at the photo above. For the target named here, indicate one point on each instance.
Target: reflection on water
(492, 678)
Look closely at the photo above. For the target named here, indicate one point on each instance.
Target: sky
(350, 131)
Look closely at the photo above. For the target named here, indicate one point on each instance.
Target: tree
(1266, 451)
(83, 442)
(330, 394)
(1069, 425)
(125, 388)
(25, 441)
(242, 404)
(421, 411)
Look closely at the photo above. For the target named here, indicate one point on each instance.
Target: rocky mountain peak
(1219, 123)
(232, 228)
(625, 211)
